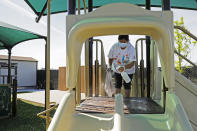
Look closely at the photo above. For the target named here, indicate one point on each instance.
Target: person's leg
(118, 84)
(127, 86)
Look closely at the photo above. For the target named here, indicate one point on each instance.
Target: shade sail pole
(48, 65)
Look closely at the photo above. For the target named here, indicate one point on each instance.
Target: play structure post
(86, 75)
(48, 66)
(96, 72)
(148, 6)
(90, 7)
(71, 11)
(166, 5)
(9, 66)
(14, 95)
(71, 7)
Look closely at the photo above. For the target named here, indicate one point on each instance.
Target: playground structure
(73, 114)
(8, 40)
(116, 19)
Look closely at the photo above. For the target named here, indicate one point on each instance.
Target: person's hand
(121, 69)
(109, 69)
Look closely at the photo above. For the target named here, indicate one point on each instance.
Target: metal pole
(71, 11)
(79, 7)
(90, 4)
(137, 68)
(41, 13)
(148, 6)
(48, 65)
(84, 6)
(86, 85)
(45, 106)
(14, 95)
(166, 5)
(96, 68)
(71, 7)
(142, 70)
(90, 67)
(78, 87)
(9, 66)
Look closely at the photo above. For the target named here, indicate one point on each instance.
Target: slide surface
(67, 119)
(187, 93)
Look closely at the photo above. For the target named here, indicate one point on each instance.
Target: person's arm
(110, 61)
(130, 65)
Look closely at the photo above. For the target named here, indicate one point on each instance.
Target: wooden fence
(62, 79)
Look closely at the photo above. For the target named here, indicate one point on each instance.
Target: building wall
(26, 72)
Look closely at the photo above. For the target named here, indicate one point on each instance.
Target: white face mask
(123, 45)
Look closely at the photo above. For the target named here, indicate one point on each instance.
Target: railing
(186, 32)
(97, 69)
(189, 69)
(141, 67)
(103, 67)
(43, 113)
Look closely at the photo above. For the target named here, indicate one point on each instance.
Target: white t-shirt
(123, 57)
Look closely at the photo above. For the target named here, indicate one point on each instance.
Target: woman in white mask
(122, 56)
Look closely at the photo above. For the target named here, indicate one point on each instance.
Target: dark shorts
(119, 79)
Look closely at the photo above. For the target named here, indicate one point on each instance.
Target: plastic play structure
(163, 112)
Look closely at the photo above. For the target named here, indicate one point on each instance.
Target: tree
(183, 45)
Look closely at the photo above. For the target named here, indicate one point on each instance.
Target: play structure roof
(11, 35)
(59, 6)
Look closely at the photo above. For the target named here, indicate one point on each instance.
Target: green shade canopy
(11, 35)
(58, 6)
(1, 46)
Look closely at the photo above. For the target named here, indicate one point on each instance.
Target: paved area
(39, 96)
(28, 90)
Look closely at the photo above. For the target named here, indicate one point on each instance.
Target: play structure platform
(132, 105)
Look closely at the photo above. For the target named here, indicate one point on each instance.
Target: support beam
(90, 67)
(90, 5)
(14, 97)
(45, 106)
(166, 5)
(86, 83)
(96, 72)
(148, 4)
(90, 8)
(71, 11)
(41, 13)
(148, 7)
(9, 66)
(71, 7)
(48, 64)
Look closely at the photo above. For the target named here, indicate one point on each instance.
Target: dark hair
(126, 37)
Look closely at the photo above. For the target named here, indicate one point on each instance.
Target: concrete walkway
(38, 97)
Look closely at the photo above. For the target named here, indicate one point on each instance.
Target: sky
(18, 13)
